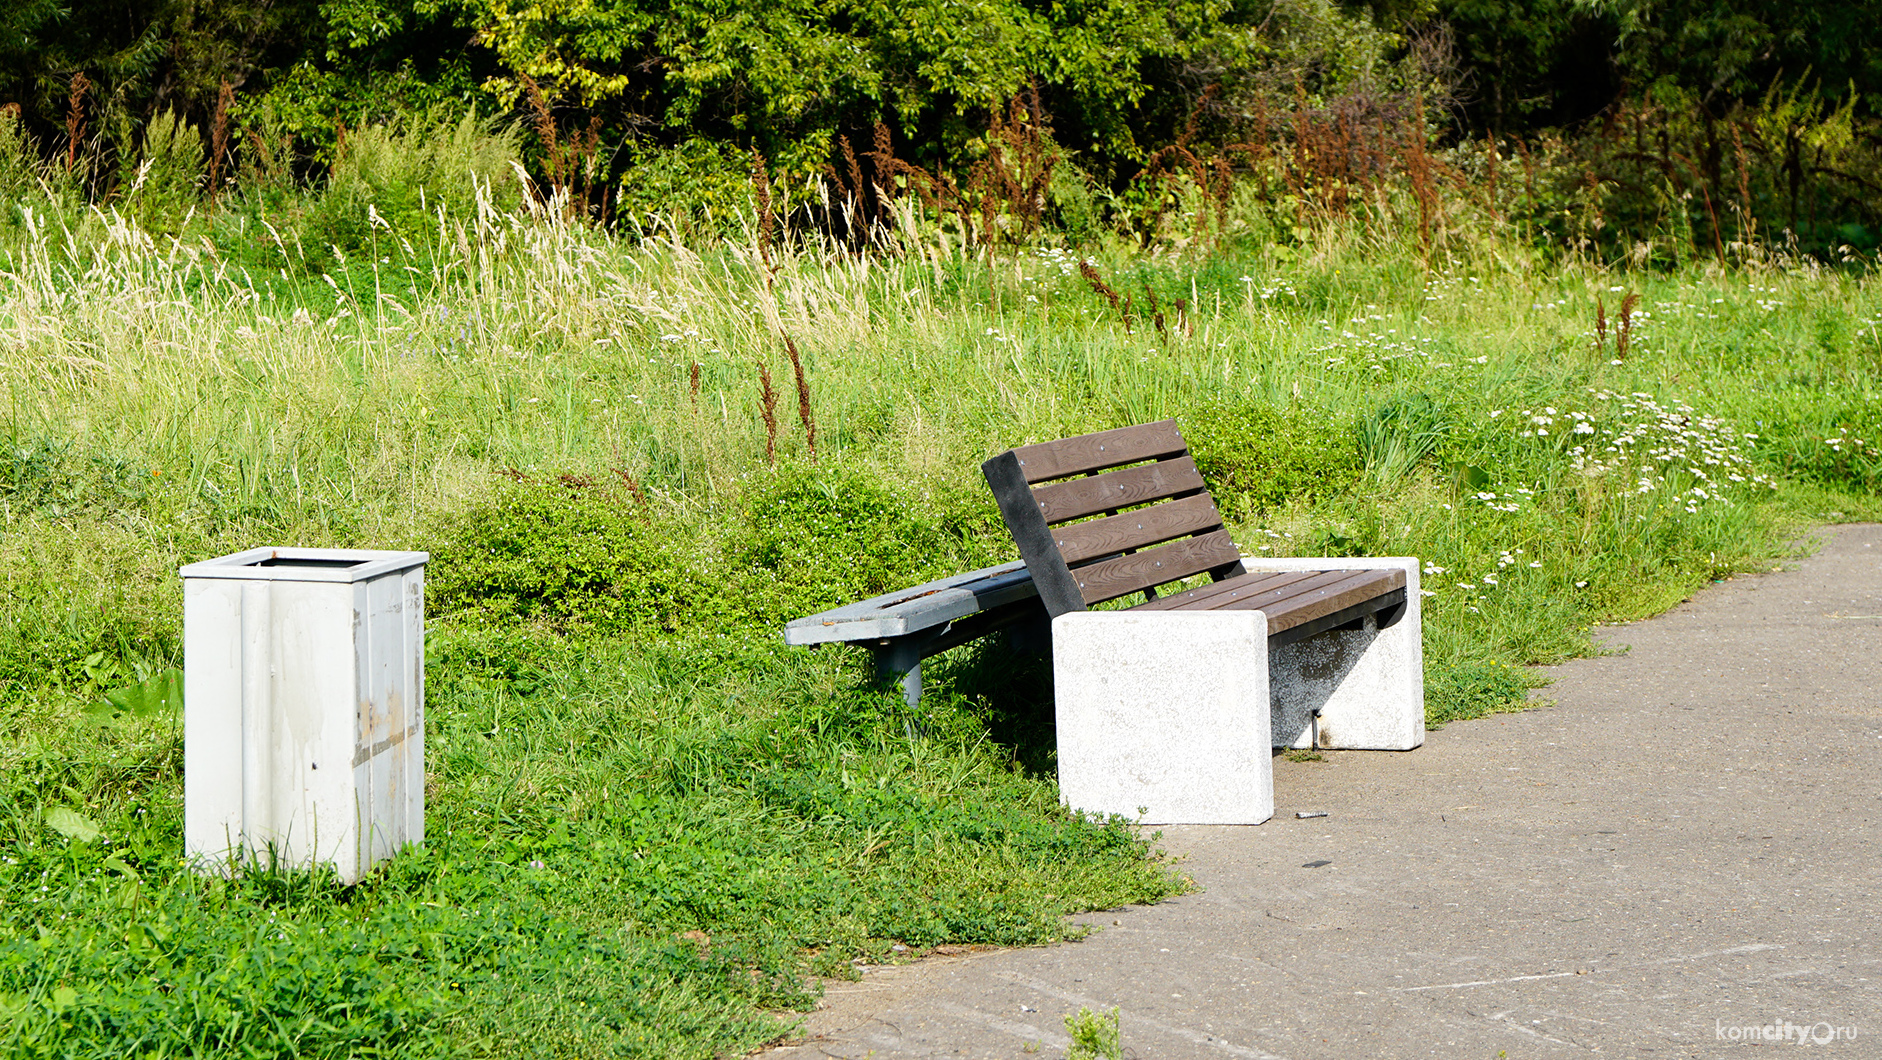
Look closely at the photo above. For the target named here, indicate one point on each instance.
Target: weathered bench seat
(1171, 704)
(906, 626)
(1164, 709)
(1298, 604)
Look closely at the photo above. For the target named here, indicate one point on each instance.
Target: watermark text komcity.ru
(1785, 1031)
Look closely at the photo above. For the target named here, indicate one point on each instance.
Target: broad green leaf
(161, 694)
(1469, 476)
(72, 824)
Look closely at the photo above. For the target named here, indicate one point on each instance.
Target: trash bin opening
(325, 564)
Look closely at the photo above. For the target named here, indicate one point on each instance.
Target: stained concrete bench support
(1170, 715)
(1351, 690)
(1164, 715)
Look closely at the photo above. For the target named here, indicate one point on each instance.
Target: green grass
(649, 820)
(1094, 1035)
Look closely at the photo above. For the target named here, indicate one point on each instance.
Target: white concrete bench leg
(1353, 690)
(1164, 714)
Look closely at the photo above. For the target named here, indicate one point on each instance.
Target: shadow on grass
(1009, 689)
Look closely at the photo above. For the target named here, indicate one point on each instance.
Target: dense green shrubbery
(1694, 134)
(810, 538)
(569, 553)
(698, 184)
(392, 183)
(1258, 457)
(165, 187)
(580, 556)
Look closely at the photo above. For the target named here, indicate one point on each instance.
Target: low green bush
(166, 185)
(568, 552)
(1095, 1035)
(392, 182)
(809, 538)
(1460, 691)
(1259, 457)
(575, 554)
(699, 187)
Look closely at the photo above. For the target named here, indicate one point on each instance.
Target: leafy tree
(1734, 51)
(1533, 62)
(787, 76)
(377, 61)
(1556, 62)
(138, 58)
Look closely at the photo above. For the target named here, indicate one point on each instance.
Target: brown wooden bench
(1166, 710)
(1104, 516)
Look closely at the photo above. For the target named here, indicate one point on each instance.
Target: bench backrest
(1105, 515)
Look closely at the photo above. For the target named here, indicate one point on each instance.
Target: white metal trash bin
(304, 707)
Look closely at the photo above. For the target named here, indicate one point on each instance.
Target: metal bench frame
(906, 626)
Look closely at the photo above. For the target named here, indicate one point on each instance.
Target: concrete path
(1680, 853)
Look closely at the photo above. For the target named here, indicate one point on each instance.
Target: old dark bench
(1108, 515)
(1166, 709)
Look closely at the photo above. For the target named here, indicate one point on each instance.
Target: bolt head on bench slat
(1129, 487)
(1137, 529)
(1111, 578)
(1100, 451)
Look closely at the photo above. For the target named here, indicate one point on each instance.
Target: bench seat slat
(917, 608)
(1354, 589)
(1111, 578)
(1137, 529)
(1125, 488)
(1097, 452)
(1274, 586)
(1387, 610)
